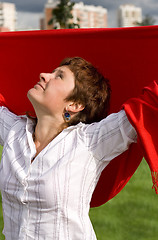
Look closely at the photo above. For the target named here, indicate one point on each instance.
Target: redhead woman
(51, 164)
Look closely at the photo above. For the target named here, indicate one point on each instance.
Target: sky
(30, 11)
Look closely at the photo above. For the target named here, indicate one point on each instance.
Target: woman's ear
(74, 107)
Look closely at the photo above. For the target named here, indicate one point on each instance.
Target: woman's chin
(31, 95)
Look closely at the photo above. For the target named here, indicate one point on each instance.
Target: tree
(62, 15)
(147, 21)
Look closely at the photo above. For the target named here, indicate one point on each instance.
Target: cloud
(28, 5)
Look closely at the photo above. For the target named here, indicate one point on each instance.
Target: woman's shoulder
(9, 117)
(8, 113)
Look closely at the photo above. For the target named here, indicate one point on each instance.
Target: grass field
(131, 215)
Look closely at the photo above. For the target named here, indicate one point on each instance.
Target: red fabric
(143, 114)
(127, 56)
(2, 100)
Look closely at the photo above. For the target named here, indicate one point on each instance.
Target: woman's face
(50, 92)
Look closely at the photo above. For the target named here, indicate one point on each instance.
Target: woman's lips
(39, 84)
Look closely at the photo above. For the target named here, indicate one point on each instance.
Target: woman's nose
(44, 77)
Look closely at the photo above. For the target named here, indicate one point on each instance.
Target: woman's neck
(45, 131)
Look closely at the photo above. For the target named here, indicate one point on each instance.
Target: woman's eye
(59, 76)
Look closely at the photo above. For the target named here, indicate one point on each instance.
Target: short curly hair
(91, 90)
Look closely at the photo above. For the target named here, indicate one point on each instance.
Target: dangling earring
(67, 116)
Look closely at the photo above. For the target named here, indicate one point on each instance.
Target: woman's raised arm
(110, 137)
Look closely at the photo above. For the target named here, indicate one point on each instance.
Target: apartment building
(7, 16)
(128, 15)
(89, 16)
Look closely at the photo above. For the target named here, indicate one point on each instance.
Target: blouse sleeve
(7, 119)
(110, 137)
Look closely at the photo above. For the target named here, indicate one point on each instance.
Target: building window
(133, 14)
(126, 14)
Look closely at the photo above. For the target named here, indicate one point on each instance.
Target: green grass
(131, 215)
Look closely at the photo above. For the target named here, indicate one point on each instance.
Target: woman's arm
(110, 137)
(7, 119)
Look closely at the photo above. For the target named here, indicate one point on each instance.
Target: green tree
(147, 21)
(62, 15)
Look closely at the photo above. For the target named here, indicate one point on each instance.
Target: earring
(67, 116)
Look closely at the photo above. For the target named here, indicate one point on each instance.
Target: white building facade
(8, 16)
(89, 16)
(129, 15)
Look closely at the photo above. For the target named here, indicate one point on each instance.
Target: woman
(51, 165)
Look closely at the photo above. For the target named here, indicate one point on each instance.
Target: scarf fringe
(155, 181)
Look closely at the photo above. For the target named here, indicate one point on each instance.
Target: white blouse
(49, 199)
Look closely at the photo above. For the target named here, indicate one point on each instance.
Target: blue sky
(29, 11)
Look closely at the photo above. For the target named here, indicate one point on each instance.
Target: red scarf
(142, 112)
(127, 56)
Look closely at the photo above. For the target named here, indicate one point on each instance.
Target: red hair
(91, 90)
